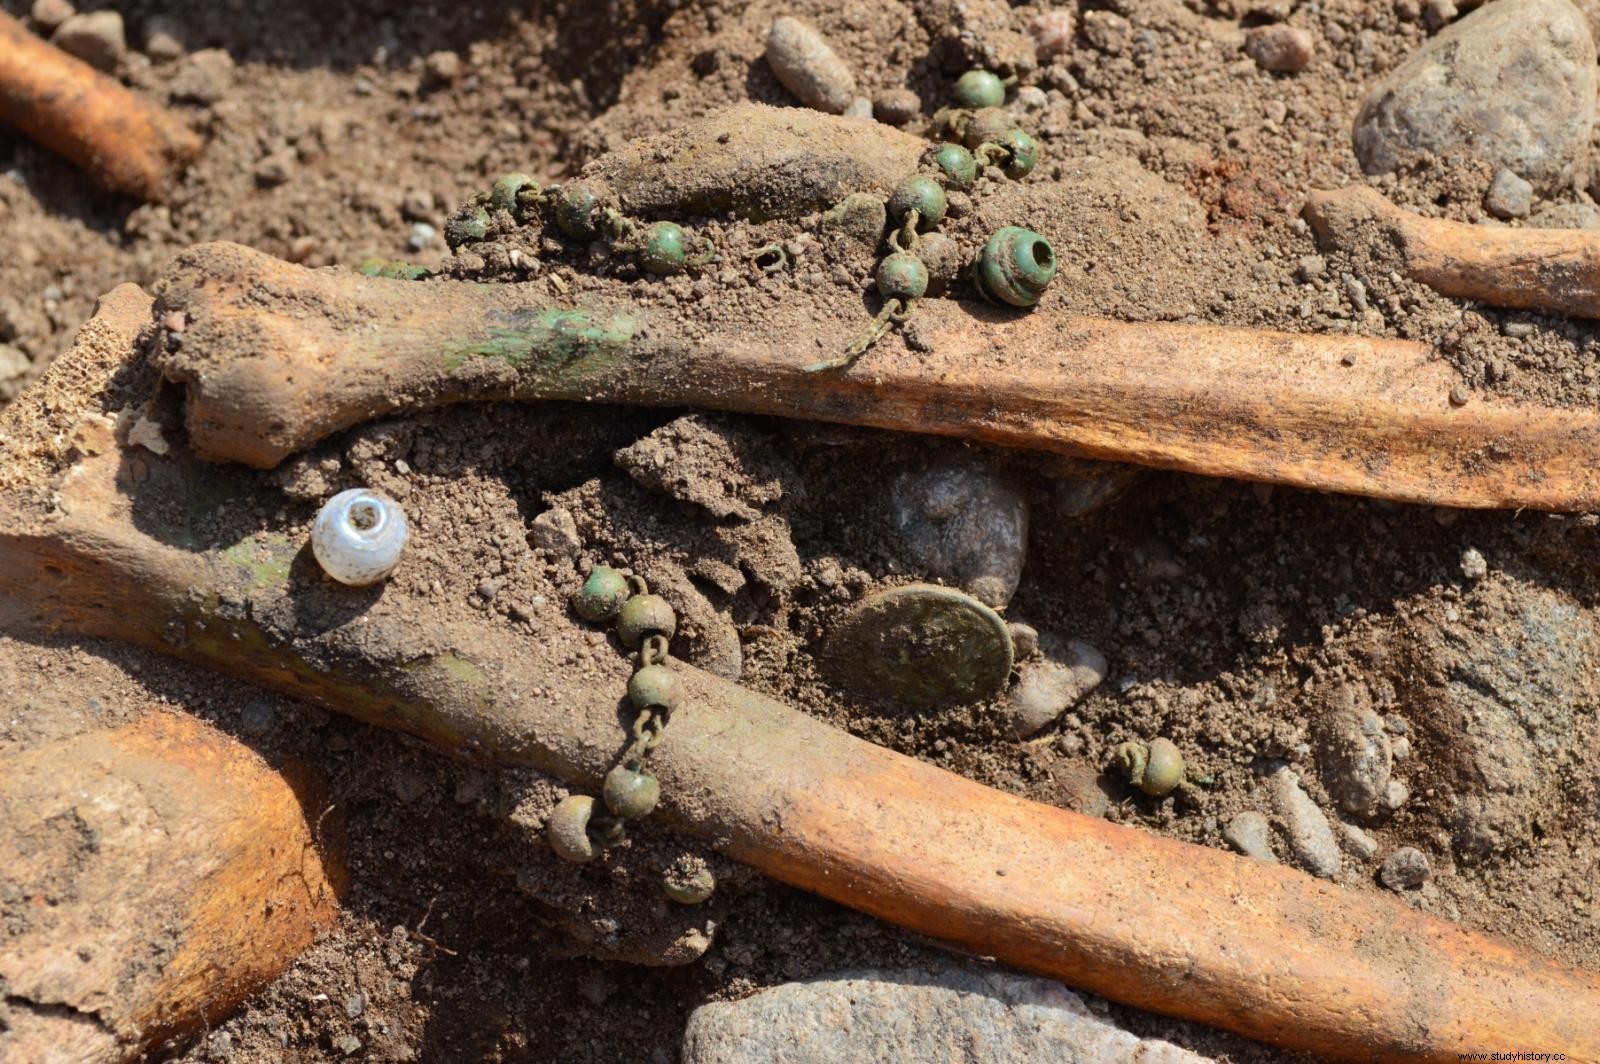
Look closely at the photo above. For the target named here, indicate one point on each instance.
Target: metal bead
(665, 249)
(1015, 267)
(1163, 769)
(655, 687)
(467, 225)
(630, 793)
(689, 886)
(980, 88)
(922, 194)
(581, 207)
(568, 829)
(902, 275)
(955, 164)
(602, 594)
(1022, 153)
(503, 196)
(645, 615)
(986, 127)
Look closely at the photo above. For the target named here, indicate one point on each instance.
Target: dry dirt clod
(807, 66)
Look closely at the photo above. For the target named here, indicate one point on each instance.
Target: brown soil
(1232, 615)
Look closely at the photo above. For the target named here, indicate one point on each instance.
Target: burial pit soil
(1236, 620)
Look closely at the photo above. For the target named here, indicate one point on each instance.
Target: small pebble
(348, 1044)
(48, 14)
(1439, 13)
(1310, 834)
(422, 235)
(441, 68)
(1473, 564)
(804, 64)
(1358, 842)
(1107, 31)
(275, 169)
(1279, 48)
(1052, 33)
(1032, 98)
(354, 1005)
(1251, 835)
(163, 38)
(1509, 196)
(1405, 869)
(896, 107)
(1024, 638)
(1047, 686)
(555, 532)
(97, 38)
(860, 107)
(205, 77)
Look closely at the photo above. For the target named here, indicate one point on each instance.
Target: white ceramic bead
(358, 536)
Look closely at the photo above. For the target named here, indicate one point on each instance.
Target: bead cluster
(1015, 265)
(587, 210)
(644, 622)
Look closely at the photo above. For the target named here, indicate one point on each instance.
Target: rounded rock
(655, 687)
(643, 616)
(567, 831)
(955, 164)
(902, 276)
(1015, 267)
(922, 194)
(979, 88)
(803, 62)
(1405, 869)
(666, 249)
(896, 107)
(602, 595)
(1280, 48)
(358, 536)
(630, 793)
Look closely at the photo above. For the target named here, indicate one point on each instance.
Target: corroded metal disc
(920, 646)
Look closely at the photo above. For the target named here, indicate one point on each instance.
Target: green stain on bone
(550, 341)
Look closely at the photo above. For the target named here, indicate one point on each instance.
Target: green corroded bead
(630, 793)
(1156, 769)
(655, 687)
(1022, 153)
(922, 194)
(643, 616)
(392, 268)
(902, 276)
(581, 207)
(1015, 267)
(468, 225)
(980, 88)
(689, 887)
(568, 829)
(955, 164)
(665, 249)
(602, 595)
(503, 196)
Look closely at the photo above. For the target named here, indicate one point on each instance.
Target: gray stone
(1357, 842)
(1047, 686)
(1405, 869)
(97, 38)
(1354, 756)
(966, 1015)
(1280, 48)
(48, 14)
(803, 62)
(1566, 216)
(1251, 834)
(860, 107)
(556, 533)
(1310, 835)
(964, 524)
(1509, 196)
(1510, 681)
(422, 235)
(1513, 84)
(205, 77)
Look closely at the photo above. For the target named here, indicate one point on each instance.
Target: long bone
(275, 357)
(1167, 926)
